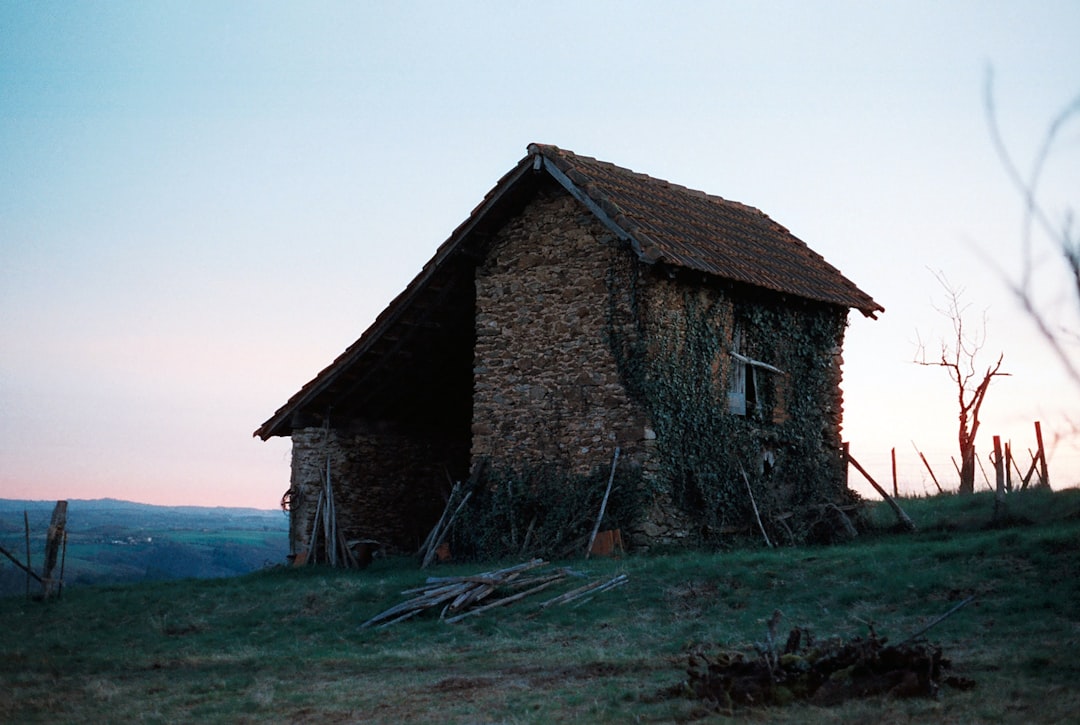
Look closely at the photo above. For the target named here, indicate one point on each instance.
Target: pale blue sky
(202, 204)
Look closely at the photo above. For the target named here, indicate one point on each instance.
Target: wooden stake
(603, 504)
(1008, 466)
(895, 489)
(1044, 474)
(999, 478)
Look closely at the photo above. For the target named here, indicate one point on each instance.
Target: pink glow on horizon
(202, 205)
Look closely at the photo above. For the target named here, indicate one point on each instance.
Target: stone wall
(580, 347)
(547, 389)
(388, 486)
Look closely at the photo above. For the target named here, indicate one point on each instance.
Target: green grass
(285, 645)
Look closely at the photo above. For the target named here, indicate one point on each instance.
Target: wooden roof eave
(279, 423)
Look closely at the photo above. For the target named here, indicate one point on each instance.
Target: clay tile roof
(698, 231)
(663, 222)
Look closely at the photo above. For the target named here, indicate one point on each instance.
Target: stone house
(579, 308)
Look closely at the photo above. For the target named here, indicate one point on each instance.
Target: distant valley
(111, 541)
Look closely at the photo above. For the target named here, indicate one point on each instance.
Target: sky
(203, 203)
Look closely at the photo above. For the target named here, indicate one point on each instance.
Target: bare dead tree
(959, 358)
(1058, 229)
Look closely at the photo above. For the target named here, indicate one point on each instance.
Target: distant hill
(112, 541)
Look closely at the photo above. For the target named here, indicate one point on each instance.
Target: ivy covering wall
(673, 338)
(581, 348)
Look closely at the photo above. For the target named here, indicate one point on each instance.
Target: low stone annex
(580, 308)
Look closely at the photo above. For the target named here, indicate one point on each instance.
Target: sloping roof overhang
(496, 203)
(662, 223)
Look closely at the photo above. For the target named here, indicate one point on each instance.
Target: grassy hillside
(113, 541)
(285, 645)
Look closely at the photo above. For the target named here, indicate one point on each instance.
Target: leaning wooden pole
(313, 535)
(981, 468)
(16, 562)
(1019, 474)
(905, 521)
(753, 503)
(603, 504)
(330, 519)
(927, 464)
(429, 542)
(438, 540)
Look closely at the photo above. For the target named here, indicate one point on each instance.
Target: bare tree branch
(958, 357)
(1062, 234)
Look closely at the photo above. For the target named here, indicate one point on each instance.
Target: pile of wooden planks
(465, 596)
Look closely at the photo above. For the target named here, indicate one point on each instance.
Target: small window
(743, 395)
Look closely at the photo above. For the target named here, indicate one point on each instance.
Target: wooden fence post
(1008, 466)
(53, 539)
(1044, 474)
(895, 489)
(999, 479)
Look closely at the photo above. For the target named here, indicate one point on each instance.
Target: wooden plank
(576, 593)
(504, 601)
